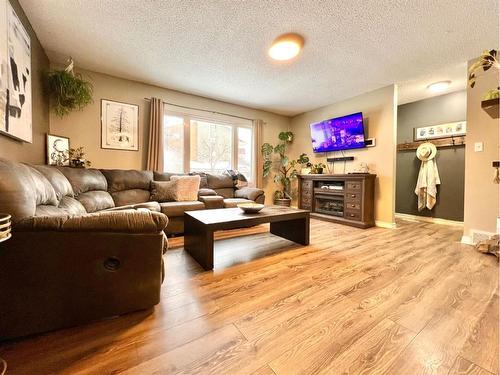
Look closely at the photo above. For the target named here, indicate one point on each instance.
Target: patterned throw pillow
(163, 191)
(239, 179)
(187, 187)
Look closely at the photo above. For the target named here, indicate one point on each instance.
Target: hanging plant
(68, 91)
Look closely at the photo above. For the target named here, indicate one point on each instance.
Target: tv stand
(343, 198)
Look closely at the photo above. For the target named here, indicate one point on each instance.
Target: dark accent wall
(31, 152)
(450, 161)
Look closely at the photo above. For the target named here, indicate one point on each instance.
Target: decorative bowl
(250, 208)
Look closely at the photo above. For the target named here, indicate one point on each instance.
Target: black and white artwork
(4, 65)
(57, 150)
(17, 102)
(119, 125)
(451, 129)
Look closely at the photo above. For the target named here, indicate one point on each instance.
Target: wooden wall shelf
(491, 107)
(441, 142)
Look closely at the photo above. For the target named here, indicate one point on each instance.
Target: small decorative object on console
(250, 208)
(361, 168)
(318, 168)
(5, 227)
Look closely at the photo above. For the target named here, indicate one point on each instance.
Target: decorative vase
(286, 202)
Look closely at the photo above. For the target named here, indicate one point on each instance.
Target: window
(195, 142)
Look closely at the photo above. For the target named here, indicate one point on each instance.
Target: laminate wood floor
(411, 300)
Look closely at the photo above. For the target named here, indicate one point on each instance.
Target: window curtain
(258, 160)
(155, 145)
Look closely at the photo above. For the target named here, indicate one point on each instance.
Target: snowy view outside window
(211, 147)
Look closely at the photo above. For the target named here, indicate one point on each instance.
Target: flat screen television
(336, 134)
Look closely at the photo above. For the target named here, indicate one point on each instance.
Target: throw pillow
(187, 187)
(239, 179)
(163, 191)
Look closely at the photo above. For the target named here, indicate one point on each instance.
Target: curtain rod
(204, 110)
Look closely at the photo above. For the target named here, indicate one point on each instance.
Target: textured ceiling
(218, 48)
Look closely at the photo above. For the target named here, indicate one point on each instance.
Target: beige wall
(379, 111)
(84, 127)
(481, 194)
(31, 152)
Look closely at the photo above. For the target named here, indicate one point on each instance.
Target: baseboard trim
(434, 220)
(385, 224)
(467, 240)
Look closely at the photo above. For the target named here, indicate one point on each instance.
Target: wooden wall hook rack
(441, 142)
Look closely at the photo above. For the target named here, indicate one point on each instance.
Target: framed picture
(15, 76)
(57, 150)
(119, 125)
(451, 129)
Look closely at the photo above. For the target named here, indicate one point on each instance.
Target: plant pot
(286, 202)
(319, 170)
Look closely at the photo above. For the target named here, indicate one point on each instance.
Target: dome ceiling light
(286, 47)
(441, 86)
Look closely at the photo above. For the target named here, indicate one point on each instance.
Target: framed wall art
(15, 76)
(119, 125)
(451, 129)
(57, 150)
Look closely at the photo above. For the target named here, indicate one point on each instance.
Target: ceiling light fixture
(286, 47)
(438, 86)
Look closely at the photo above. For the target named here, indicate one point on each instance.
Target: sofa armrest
(127, 221)
(252, 194)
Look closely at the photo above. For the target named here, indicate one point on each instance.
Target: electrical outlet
(478, 146)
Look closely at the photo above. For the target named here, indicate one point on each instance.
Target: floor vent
(478, 236)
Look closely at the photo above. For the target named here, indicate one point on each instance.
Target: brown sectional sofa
(87, 243)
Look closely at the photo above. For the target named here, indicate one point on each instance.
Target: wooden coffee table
(199, 227)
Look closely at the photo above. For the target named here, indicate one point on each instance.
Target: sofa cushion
(225, 192)
(151, 206)
(119, 180)
(173, 209)
(249, 193)
(164, 191)
(187, 188)
(165, 176)
(96, 200)
(132, 196)
(212, 201)
(17, 195)
(233, 202)
(83, 180)
(71, 206)
(44, 192)
(220, 181)
(59, 182)
(206, 192)
(128, 186)
(203, 179)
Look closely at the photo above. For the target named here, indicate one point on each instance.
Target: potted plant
(487, 60)
(67, 90)
(318, 168)
(284, 167)
(77, 158)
